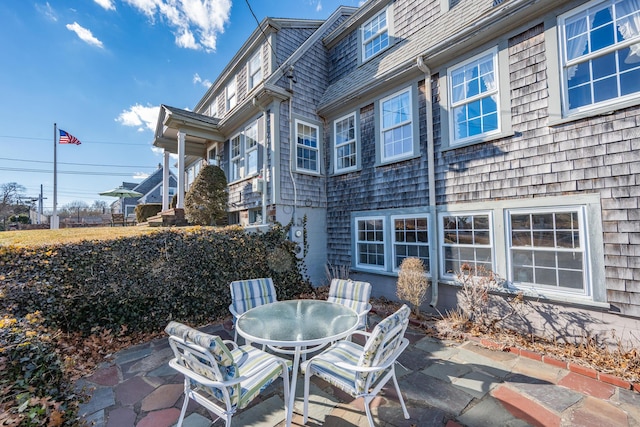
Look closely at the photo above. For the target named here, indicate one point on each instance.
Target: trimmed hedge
(144, 281)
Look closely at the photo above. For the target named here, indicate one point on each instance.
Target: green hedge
(145, 281)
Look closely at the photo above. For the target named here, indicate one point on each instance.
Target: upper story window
(236, 158)
(254, 72)
(345, 149)
(231, 98)
(213, 107)
(600, 54)
(396, 119)
(251, 148)
(375, 35)
(474, 98)
(307, 148)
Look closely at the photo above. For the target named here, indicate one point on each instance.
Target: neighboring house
(151, 189)
(502, 134)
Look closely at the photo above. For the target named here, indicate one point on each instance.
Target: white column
(165, 182)
(181, 175)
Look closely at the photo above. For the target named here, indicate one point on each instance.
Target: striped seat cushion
(247, 294)
(325, 367)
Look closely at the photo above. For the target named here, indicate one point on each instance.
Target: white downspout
(264, 159)
(292, 148)
(433, 247)
(181, 175)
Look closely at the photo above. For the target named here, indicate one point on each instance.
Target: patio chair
(354, 295)
(118, 219)
(222, 380)
(362, 371)
(247, 294)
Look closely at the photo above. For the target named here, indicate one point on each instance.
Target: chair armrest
(231, 343)
(390, 360)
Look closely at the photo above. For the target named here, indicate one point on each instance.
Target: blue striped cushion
(247, 294)
(325, 367)
(351, 293)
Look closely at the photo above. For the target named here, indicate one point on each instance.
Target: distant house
(151, 188)
(497, 134)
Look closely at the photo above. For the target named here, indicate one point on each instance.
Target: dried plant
(336, 272)
(412, 283)
(478, 300)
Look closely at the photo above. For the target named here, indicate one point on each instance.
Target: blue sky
(100, 69)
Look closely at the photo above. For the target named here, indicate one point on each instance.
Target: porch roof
(200, 130)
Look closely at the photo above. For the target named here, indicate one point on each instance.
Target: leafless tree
(10, 194)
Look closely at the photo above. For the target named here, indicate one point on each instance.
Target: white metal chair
(222, 380)
(353, 294)
(247, 294)
(362, 371)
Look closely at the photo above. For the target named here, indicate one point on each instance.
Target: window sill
(604, 110)
(483, 139)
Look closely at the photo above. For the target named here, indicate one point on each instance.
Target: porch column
(181, 175)
(165, 182)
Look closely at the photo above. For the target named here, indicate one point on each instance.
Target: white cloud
(197, 79)
(140, 175)
(84, 34)
(196, 23)
(47, 11)
(106, 4)
(319, 6)
(143, 117)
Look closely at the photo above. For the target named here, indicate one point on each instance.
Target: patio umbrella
(121, 192)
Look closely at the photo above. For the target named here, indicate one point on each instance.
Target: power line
(263, 34)
(74, 164)
(89, 141)
(65, 172)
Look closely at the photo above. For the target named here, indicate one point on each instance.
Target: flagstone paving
(444, 383)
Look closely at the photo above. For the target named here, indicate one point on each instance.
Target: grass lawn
(69, 235)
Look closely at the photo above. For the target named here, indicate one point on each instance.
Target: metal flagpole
(54, 218)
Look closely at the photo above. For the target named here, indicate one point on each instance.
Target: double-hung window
(236, 157)
(547, 249)
(345, 150)
(473, 98)
(600, 54)
(213, 107)
(251, 148)
(384, 239)
(466, 239)
(396, 130)
(231, 98)
(410, 239)
(255, 70)
(375, 35)
(307, 148)
(370, 243)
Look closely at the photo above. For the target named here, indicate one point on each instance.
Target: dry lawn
(68, 235)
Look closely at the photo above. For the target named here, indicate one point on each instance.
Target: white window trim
(394, 242)
(495, 92)
(386, 29)
(587, 292)
(316, 149)
(592, 109)
(384, 243)
(213, 107)
(251, 82)
(239, 158)
(249, 150)
(441, 245)
(411, 123)
(231, 95)
(355, 141)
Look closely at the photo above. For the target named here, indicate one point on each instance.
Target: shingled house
(498, 134)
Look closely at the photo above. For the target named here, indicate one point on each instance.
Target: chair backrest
(247, 294)
(384, 340)
(117, 218)
(205, 355)
(351, 293)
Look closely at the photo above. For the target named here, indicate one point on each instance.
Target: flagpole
(54, 218)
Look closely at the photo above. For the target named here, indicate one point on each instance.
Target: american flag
(67, 138)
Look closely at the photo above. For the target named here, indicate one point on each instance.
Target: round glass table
(297, 327)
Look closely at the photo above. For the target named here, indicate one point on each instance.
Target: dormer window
(254, 72)
(375, 35)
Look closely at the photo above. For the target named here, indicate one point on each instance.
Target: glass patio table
(297, 327)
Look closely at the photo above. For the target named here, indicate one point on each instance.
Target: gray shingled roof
(403, 55)
(190, 115)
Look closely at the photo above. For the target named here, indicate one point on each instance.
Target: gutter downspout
(292, 148)
(264, 159)
(433, 249)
